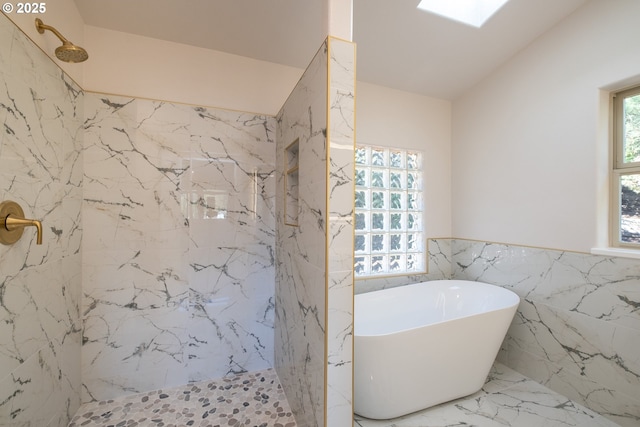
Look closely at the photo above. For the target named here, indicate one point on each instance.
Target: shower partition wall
(314, 256)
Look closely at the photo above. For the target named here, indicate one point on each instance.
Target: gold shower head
(68, 52)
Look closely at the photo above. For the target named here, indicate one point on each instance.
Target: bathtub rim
(509, 292)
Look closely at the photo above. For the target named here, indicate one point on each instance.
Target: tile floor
(253, 399)
(507, 399)
(256, 399)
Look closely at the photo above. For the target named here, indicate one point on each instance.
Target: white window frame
(402, 247)
(620, 168)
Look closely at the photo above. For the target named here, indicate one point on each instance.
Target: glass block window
(389, 212)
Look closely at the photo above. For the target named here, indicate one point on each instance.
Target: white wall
(527, 151)
(143, 67)
(393, 118)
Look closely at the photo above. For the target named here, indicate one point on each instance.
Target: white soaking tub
(423, 344)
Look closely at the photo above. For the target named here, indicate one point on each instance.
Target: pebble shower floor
(253, 399)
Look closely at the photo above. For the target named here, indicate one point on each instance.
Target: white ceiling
(398, 45)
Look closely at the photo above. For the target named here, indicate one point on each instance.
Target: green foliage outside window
(631, 107)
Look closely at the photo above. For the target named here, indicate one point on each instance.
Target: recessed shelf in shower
(291, 184)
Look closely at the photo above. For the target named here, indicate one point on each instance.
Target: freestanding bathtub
(420, 345)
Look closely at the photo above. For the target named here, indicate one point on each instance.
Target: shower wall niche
(291, 180)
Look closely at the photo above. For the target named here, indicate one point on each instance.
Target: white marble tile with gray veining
(439, 261)
(341, 134)
(576, 329)
(507, 399)
(179, 244)
(41, 169)
(301, 254)
(600, 287)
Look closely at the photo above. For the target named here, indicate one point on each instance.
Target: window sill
(617, 252)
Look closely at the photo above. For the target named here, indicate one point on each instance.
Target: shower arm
(41, 26)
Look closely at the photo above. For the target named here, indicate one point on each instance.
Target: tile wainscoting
(577, 330)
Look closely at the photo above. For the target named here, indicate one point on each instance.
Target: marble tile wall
(577, 330)
(341, 136)
(178, 250)
(300, 320)
(438, 268)
(314, 274)
(40, 286)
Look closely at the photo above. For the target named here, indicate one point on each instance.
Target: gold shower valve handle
(13, 222)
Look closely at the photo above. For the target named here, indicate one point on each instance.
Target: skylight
(470, 12)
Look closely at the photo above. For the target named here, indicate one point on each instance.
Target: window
(626, 169)
(388, 212)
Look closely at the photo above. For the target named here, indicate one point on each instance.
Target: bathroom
(128, 271)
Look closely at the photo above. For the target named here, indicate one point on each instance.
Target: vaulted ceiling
(399, 46)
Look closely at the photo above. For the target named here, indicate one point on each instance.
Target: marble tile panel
(121, 385)
(26, 62)
(312, 219)
(113, 155)
(340, 179)
(600, 287)
(439, 259)
(591, 355)
(130, 218)
(236, 137)
(233, 201)
(28, 389)
(37, 309)
(340, 348)
(70, 236)
(342, 76)
(180, 227)
(239, 274)
(299, 339)
(43, 387)
(7, 35)
(507, 399)
(166, 123)
(577, 324)
(301, 250)
(41, 113)
(613, 404)
(135, 279)
(128, 350)
(493, 263)
(307, 322)
(223, 342)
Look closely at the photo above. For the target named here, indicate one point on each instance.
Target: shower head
(68, 52)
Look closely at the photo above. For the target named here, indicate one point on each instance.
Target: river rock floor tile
(254, 399)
